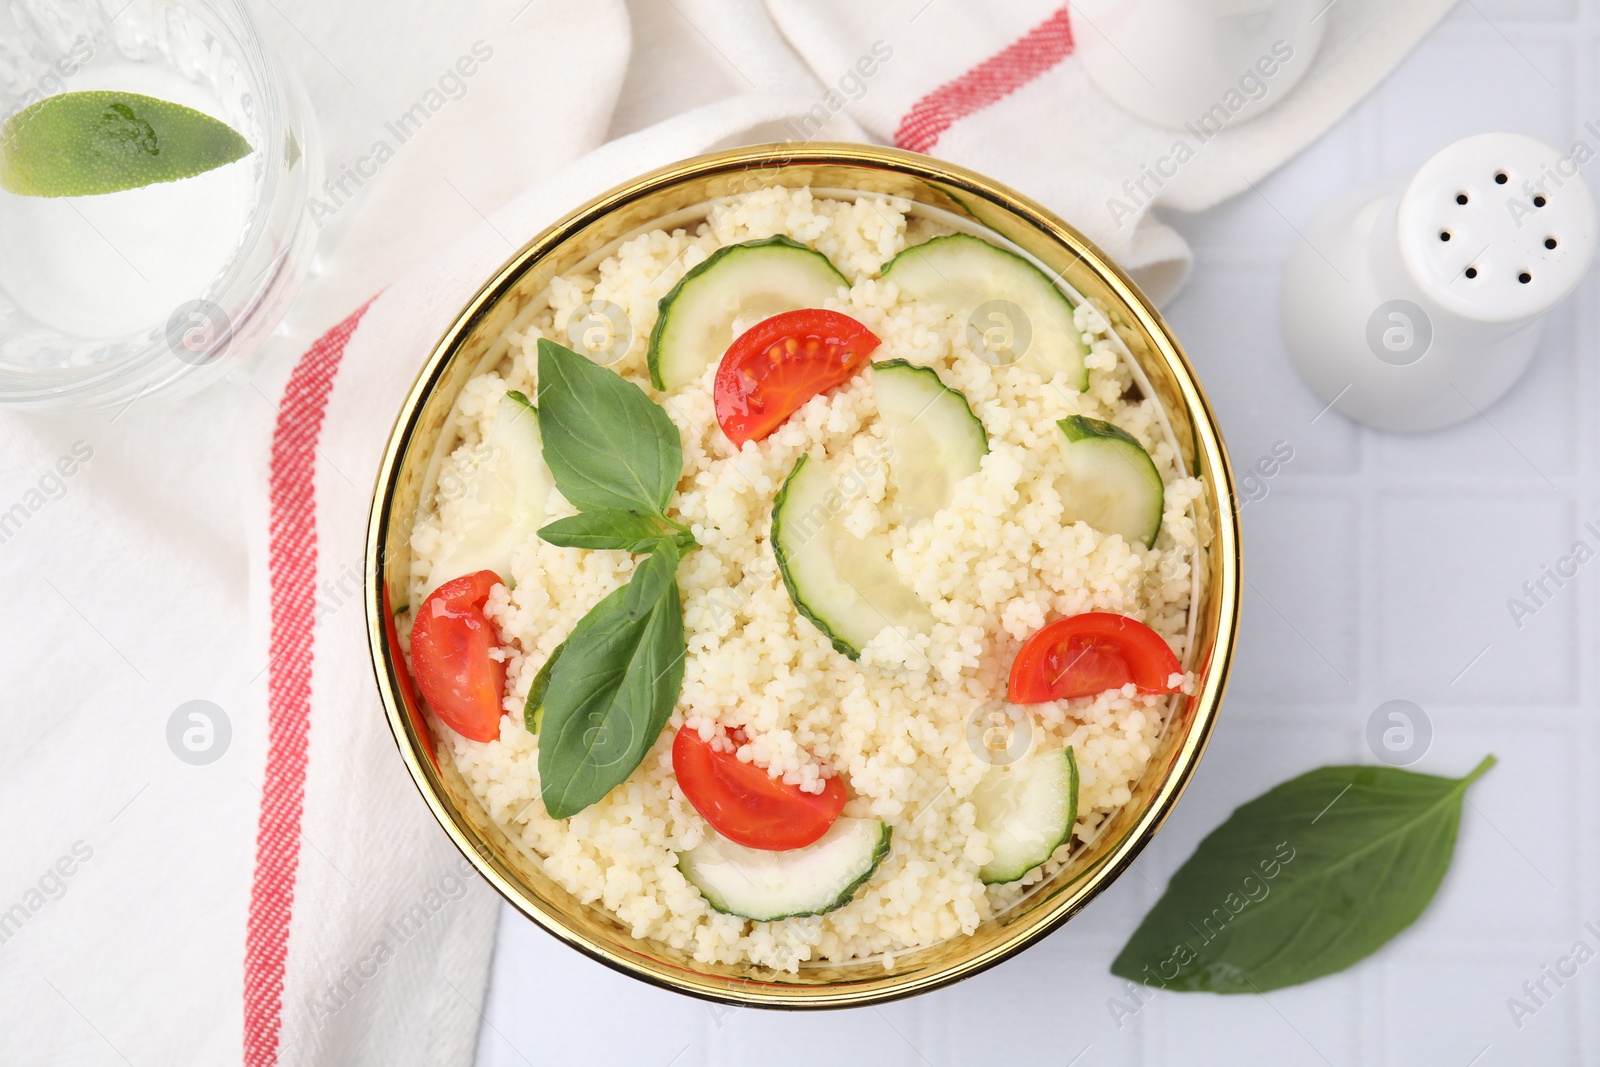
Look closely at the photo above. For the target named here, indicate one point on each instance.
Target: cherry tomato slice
(450, 644)
(746, 805)
(1087, 654)
(778, 364)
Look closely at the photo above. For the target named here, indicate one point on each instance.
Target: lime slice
(80, 144)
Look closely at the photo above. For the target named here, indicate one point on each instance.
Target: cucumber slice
(937, 439)
(1028, 809)
(500, 503)
(1111, 483)
(765, 886)
(974, 279)
(761, 278)
(844, 584)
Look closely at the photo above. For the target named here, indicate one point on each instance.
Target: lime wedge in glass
(81, 144)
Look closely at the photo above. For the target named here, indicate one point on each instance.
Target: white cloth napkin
(293, 902)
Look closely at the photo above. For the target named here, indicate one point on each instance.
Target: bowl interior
(424, 434)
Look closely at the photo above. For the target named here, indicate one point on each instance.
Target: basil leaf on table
(606, 443)
(1305, 880)
(612, 528)
(533, 708)
(612, 689)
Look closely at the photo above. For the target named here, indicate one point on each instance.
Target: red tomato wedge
(450, 644)
(1087, 654)
(747, 806)
(778, 364)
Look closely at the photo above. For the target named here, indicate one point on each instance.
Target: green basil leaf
(608, 528)
(1305, 880)
(610, 693)
(606, 443)
(649, 582)
(103, 141)
(533, 709)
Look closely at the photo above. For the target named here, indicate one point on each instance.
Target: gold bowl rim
(1210, 463)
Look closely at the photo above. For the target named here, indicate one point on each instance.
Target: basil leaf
(102, 141)
(611, 692)
(608, 528)
(1305, 880)
(605, 442)
(533, 709)
(649, 582)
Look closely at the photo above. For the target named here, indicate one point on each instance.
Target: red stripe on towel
(292, 564)
(1000, 75)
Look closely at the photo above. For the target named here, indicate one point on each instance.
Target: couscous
(900, 626)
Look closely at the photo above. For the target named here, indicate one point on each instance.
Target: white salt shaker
(1203, 64)
(1415, 308)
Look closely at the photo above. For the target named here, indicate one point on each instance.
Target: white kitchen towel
(212, 850)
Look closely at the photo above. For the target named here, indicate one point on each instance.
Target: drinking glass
(106, 298)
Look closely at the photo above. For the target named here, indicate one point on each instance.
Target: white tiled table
(1379, 567)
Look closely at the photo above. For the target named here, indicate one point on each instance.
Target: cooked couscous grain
(993, 567)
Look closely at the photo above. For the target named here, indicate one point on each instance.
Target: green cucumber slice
(500, 503)
(937, 439)
(986, 286)
(760, 278)
(1028, 809)
(765, 886)
(844, 584)
(1111, 483)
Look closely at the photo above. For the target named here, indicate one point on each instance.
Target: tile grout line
(1586, 441)
(1369, 989)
